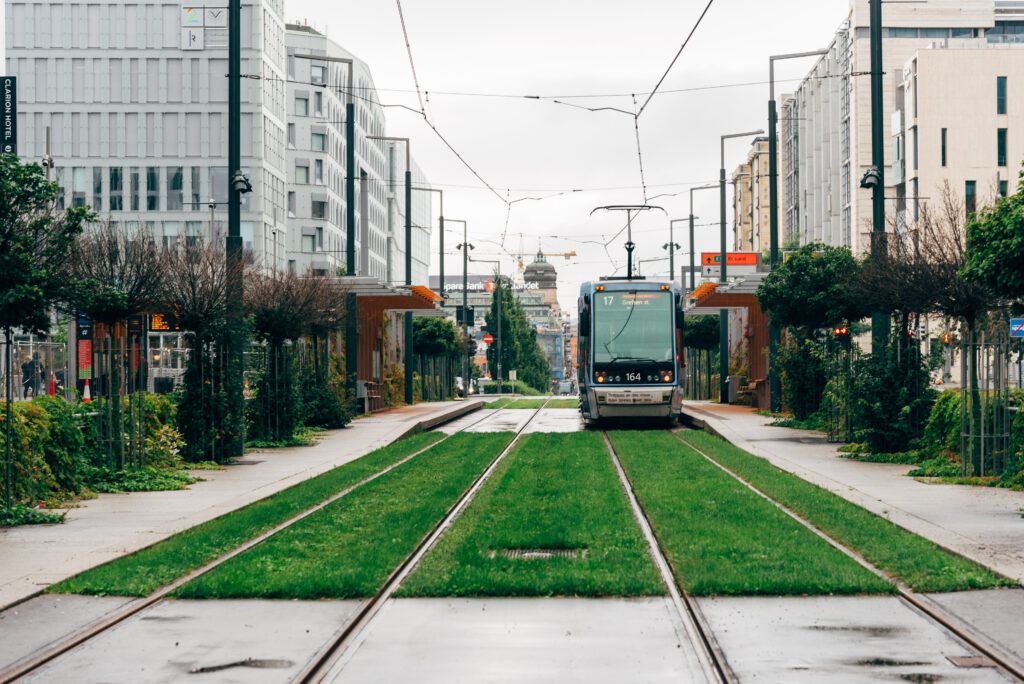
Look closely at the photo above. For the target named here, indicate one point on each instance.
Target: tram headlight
(618, 378)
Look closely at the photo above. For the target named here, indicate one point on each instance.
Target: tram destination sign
(738, 263)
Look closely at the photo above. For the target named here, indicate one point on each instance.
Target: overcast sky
(537, 148)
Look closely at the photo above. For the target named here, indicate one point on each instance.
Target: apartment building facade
(751, 200)
(825, 125)
(135, 97)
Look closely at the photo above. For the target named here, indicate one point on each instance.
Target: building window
(116, 189)
(318, 142)
(291, 204)
(318, 171)
(1003, 188)
(903, 33)
(291, 136)
(152, 188)
(175, 188)
(133, 187)
(969, 197)
(170, 237)
(319, 209)
(308, 243)
(320, 238)
(197, 188)
(316, 74)
(318, 103)
(1001, 147)
(302, 106)
(943, 146)
(1000, 95)
(97, 189)
(193, 232)
(302, 175)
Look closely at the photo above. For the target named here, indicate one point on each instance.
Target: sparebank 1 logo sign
(8, 115)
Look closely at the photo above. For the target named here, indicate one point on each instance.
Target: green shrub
(942, 429)
(19, 514)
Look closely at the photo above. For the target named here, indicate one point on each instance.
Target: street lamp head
(47, 162)
(240, 183)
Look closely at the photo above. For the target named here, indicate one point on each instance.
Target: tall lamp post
(875, 177)
(408, 258)
(774, 334)
(465, 247)
(672, 246)
(693, 273)
(723, 314)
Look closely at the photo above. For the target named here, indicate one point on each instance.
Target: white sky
(533, 148)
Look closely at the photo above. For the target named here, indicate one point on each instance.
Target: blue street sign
(1017, 327)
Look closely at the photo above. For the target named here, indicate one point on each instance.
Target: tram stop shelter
(710, 298)
(377, 342)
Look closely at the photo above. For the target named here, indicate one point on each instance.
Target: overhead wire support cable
(408, 48)
(639, 149)
(673, 62)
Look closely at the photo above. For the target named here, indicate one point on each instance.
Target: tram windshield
(633, 326)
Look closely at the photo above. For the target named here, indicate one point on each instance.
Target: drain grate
(970, 661)
(535, 554)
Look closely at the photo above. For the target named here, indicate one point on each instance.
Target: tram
(630, 341)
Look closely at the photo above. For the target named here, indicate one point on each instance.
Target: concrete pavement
(98, 530)
(981, 523)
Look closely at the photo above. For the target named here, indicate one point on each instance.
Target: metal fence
(985, 414)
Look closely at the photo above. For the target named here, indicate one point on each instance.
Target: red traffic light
(841, 332)
(945, 338)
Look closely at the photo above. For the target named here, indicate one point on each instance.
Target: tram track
(27, 666)
(322, 666)
(999, 658)
(709, 654)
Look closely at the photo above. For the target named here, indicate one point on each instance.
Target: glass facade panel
(969, 197)
(943, 146)
(318, 142)
(1001, 147)
(97, 189)
(116, 189)
(152, 188)
(133, 187)
(175, 188)
(1000, 95)
(302, 106)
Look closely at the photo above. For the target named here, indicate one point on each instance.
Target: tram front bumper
(632, 401)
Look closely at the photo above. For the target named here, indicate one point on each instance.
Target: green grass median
(551, 521)
(920, 563)
(146, 570)
(526, 404)
(722, 538)
(348, 549)
(563, 404)
(497, 403)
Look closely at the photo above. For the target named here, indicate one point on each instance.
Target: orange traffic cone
(86, 394)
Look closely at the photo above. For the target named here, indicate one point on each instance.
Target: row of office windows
(150, 188)
(971, 194)
(1001, 144)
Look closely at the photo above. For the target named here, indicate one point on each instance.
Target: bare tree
(198, 289)
(118, 274)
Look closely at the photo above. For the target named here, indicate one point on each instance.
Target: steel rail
(29, 665)
(951, 623)
(324, 663)
(709, 654)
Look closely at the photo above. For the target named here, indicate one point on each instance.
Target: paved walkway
(35, 556)
(982, 523)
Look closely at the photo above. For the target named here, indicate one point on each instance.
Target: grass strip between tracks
(553, 492)
(144, 571)
(722, 538)
(348, 549)
(564, 404)
(498, 403)
(526, 403)
(920, 563)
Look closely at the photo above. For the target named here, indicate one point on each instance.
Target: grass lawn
(144, 571)
(722, 538)
(348, 549)
(555, 491)
(564, 403)
(921, 564)
(526, 404)
(497, 403)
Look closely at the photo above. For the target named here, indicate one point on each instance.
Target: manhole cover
(970, 661)
(533, 554)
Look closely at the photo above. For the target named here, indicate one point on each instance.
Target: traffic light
(842, 332)
(945, 338)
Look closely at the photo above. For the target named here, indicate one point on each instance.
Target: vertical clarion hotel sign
(8, 115)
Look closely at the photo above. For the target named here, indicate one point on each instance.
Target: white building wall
(138, 111)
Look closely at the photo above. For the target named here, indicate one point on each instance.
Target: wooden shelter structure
(710, 298)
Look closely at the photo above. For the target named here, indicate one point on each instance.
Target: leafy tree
(520, 351)
(995, 246)
(815, 288)
(35, 250)
(434, 337)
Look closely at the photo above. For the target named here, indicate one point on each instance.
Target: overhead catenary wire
(674, 59)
